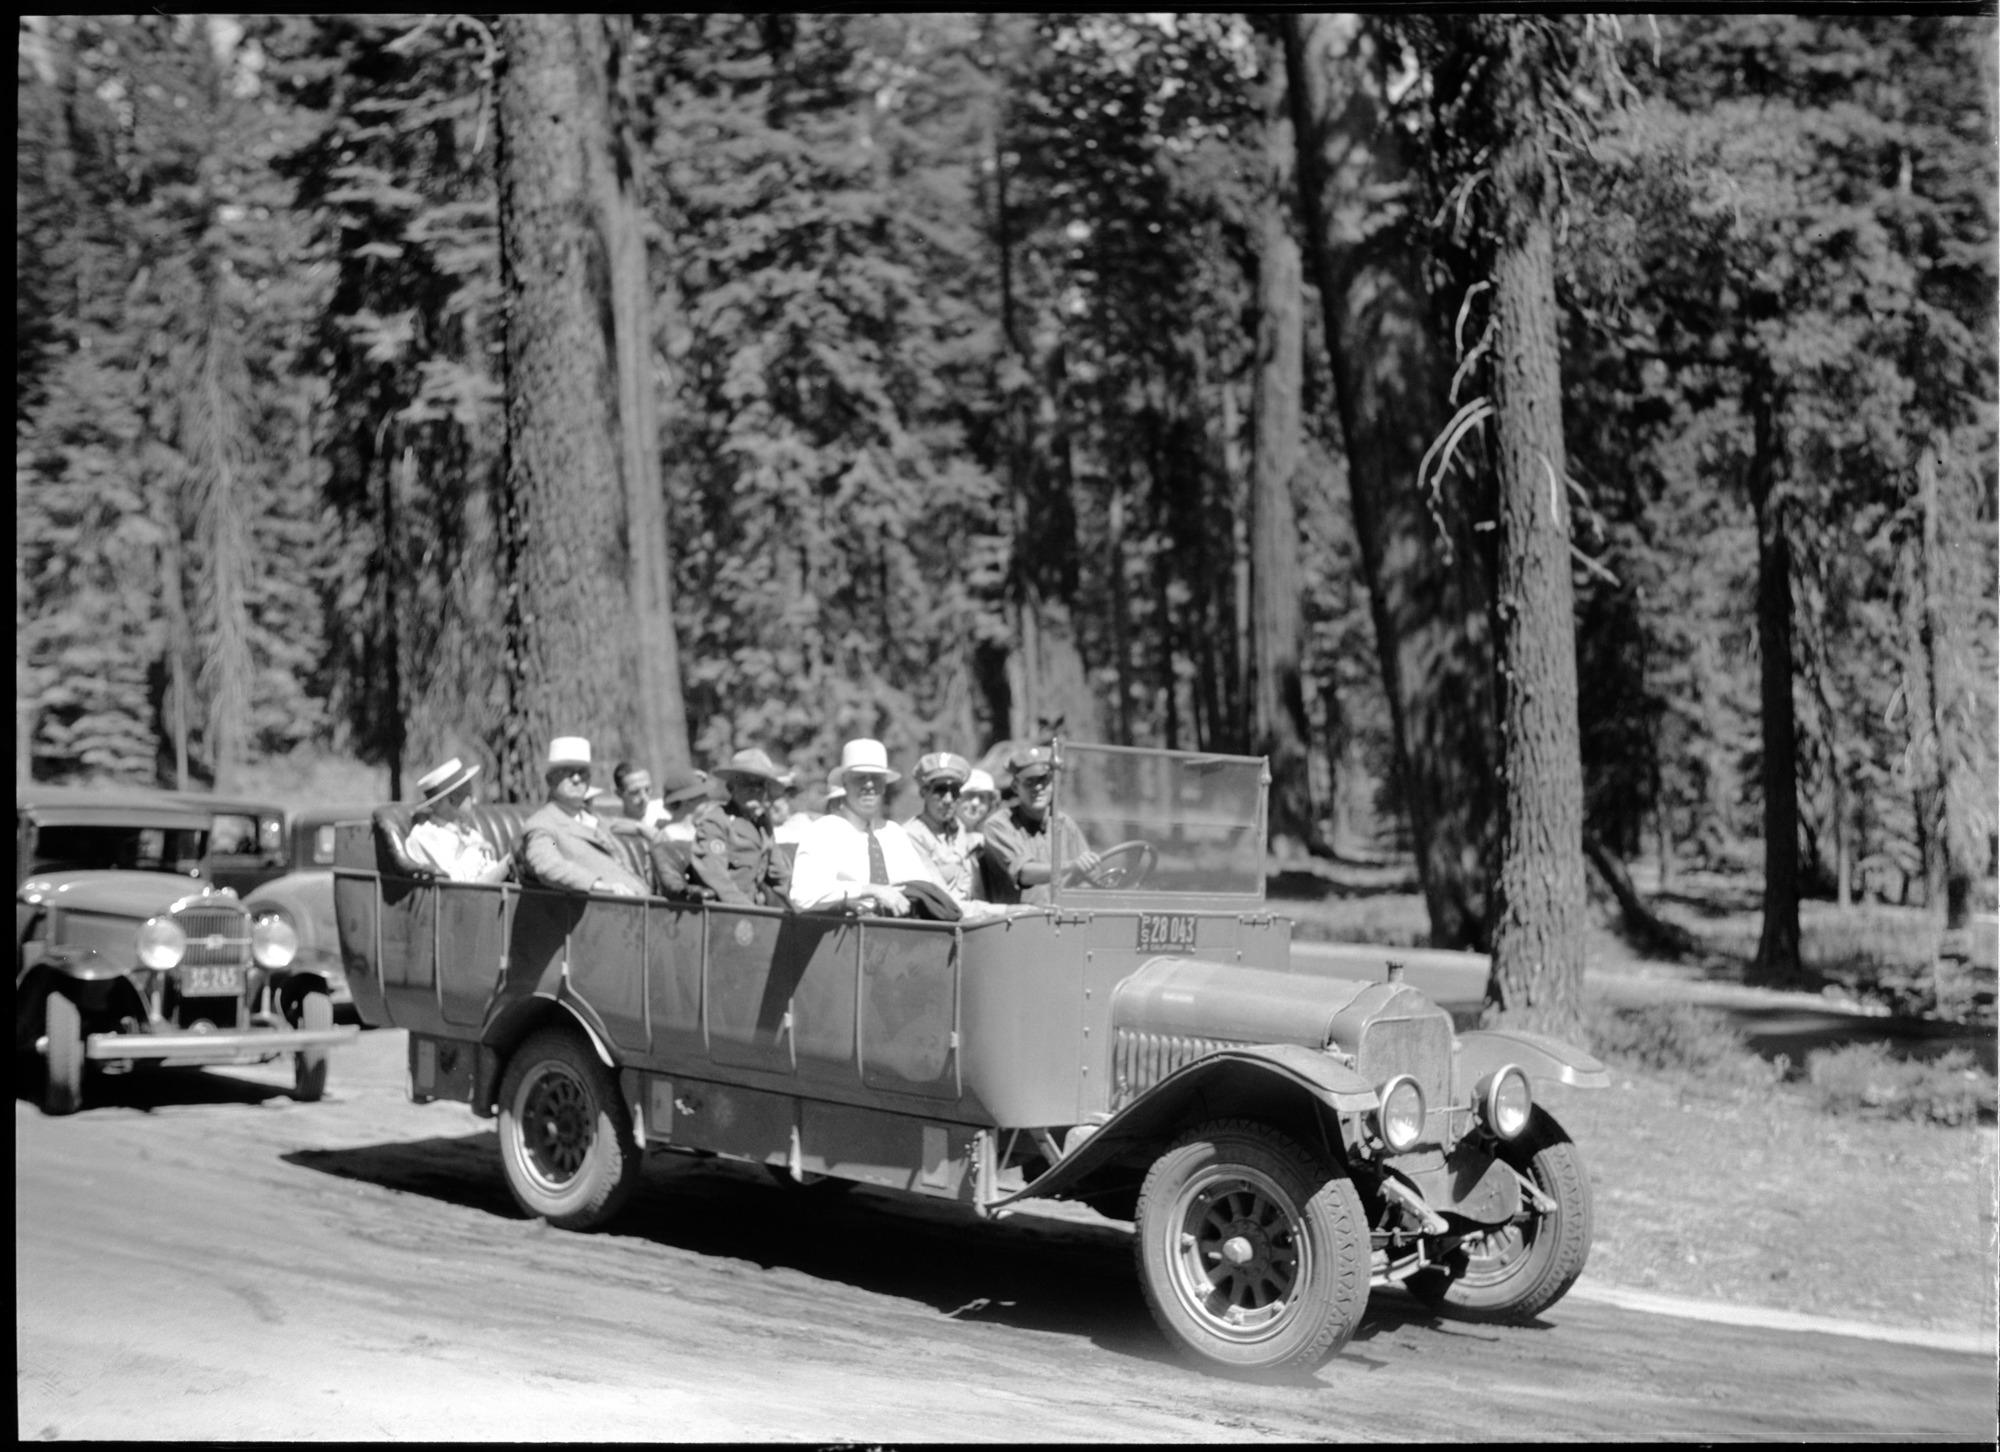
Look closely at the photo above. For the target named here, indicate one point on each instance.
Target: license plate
(211, 982)
(1166, 932)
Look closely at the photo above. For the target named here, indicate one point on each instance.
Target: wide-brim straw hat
(862, 754)
(752, 762)
(442, 781)
(568, 751)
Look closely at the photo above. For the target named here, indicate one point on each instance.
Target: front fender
(84, 965)
(1273, 1081)
(1481, 1051)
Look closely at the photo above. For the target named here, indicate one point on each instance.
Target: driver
(1024, 838)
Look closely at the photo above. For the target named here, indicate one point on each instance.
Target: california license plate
(1166, 932)
(211, 982)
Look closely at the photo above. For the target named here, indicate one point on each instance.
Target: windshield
(1164, 821)
(139, 849)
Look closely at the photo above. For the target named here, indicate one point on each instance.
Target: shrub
(1865, 1079)
(1678, 1038)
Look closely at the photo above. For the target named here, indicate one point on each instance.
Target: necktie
(878, 865)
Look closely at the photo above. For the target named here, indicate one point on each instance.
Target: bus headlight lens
(1401, 1114)
(1505, 1103)
(162, 944)
(273, 942)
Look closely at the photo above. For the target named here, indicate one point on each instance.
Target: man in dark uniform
(1024, 838)
(734, 854)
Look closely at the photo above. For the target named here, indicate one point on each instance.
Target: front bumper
(226, 1046)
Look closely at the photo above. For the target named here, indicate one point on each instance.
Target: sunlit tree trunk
(572, 634)
(1391, 378)
(1278, 719)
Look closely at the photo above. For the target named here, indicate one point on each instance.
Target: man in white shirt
(634, 785)
(948, 844)
(853, 857)
(442, 839)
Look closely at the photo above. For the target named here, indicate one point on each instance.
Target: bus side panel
(354, 913)
(409, 954)
(538, 940)
(748, 991)
(673, 978)
(909, 1011)
(472, 942)
(1021, 1021)
(820, 954)
(607, 967)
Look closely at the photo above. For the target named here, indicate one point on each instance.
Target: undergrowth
(1856, 1079)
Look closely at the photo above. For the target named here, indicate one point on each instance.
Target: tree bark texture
(1279, 728)
(1538, 937)
(1778, 946)
(1428, 598)
(663, 734)
(573, 636)
(1957, 723)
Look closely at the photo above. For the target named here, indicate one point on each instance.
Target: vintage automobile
(1146, 1045)
(303, 895)
(128, 956)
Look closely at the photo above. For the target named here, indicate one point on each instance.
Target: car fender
(85, 965)
(514, 1019)
(1481, 1051)
(1288, 1079)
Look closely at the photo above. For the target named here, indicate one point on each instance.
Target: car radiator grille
(202, 925)
(1141, 1060)
(1419, 1047)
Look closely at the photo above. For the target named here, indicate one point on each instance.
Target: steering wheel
(1123, 866)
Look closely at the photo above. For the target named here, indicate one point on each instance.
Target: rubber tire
(1530, 1283)
(309, 1065)
(1321, 1211)
(62, 1079)
(558, 1060)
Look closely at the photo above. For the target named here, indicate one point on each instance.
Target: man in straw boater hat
(563, 843)
(948, 844)
(735, 856)
(1024, 839)
(853, 856)
(442, 838)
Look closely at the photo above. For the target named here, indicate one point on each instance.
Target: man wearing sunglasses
(564, 844)
(1024, 838)
(948, 844)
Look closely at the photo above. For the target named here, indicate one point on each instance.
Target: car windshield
(140, 849)
(1166, 821)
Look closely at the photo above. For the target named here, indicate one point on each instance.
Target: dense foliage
(956, 344)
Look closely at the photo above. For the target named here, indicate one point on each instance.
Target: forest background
(1127, 377)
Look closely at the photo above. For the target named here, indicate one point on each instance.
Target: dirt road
(199, 1257)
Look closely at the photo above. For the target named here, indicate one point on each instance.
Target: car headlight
(273, 941)
(162, 943)
(1505, 1103)
(1401, 1112)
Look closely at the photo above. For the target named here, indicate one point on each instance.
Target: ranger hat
(568, 751)
(442, 781)
(751, 762)
(942, 766)
(862, 754)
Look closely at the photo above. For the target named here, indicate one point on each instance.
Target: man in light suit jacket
(563, 843)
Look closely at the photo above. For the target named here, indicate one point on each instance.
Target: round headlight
(1402, 1112)
(1505, 1103)
(162, 944)
(273, 941)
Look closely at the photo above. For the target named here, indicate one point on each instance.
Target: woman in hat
(442, 839)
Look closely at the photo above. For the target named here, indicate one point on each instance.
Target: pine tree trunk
(663, 735)
(572, 636)
(1778, 948)
(1278, 727)
(1391, 378)
(1538, 939)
